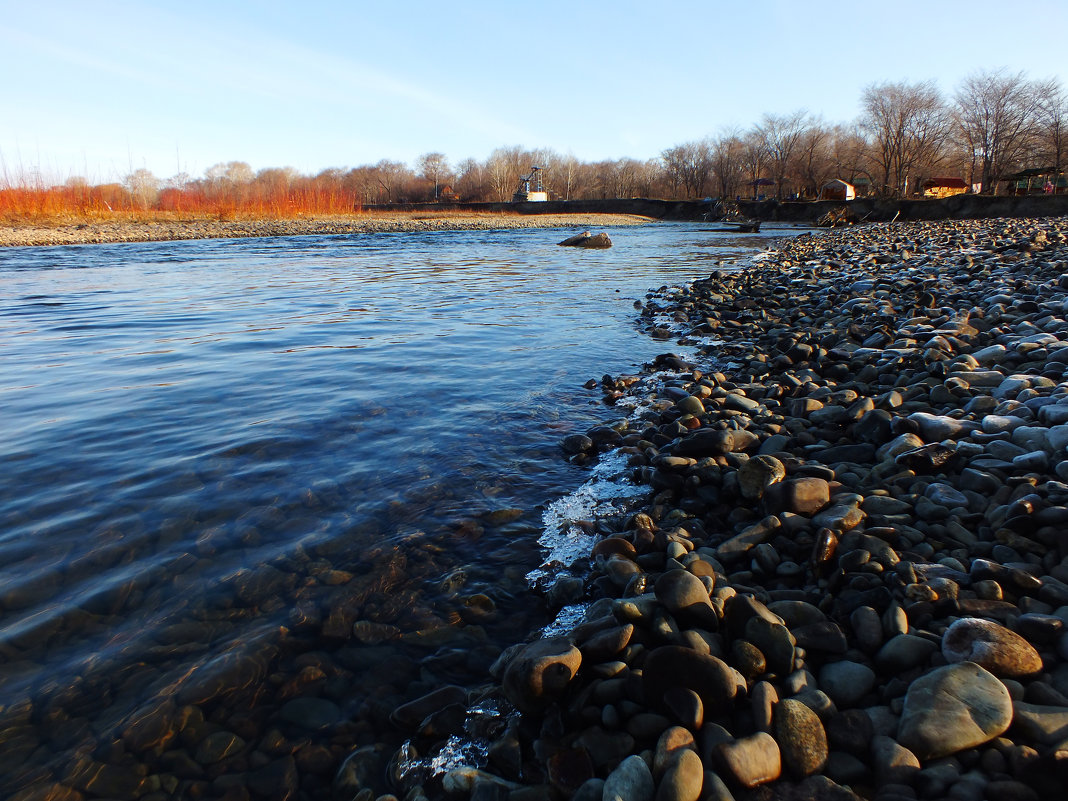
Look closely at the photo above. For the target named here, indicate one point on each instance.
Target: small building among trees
(1037, 181)
(838, 190)
(944, 187)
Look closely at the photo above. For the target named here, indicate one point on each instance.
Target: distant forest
(996, 124)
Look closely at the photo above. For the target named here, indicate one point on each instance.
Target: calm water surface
(218, 458)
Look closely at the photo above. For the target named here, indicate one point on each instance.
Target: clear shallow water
(255, 444)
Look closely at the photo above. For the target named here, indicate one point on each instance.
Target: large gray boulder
(586, 240)
(953, 708)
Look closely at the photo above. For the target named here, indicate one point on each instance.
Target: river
(258, 493)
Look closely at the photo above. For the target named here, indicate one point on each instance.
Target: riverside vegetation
(851, 576)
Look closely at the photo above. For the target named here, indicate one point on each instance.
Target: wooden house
(944, 187)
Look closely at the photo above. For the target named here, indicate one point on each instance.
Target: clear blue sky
(100, 88)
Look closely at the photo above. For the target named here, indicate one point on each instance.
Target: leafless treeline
(995, 124)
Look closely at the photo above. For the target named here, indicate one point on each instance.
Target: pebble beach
(850, 575)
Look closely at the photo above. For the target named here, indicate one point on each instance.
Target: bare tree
(471, 179)
(849, 154)
(143, 187)
(391, 175)
(908, 125)
(726, 163)
(238, 172)
(780, 137)
(568, 174)
(1053, 123)
(363, 181)
(754, 159)
(433, 167)
(996, 121)
(688, 165)
(504, 167)
(812, 163)
(674, 160)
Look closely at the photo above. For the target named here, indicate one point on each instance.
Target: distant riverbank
(168, 229)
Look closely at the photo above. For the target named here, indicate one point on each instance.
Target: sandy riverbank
(176, 228)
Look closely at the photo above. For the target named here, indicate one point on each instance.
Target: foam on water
(468, 750)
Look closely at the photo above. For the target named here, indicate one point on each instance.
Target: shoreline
(167, 230)
(851, 576)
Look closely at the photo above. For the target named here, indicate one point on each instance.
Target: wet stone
(540, 672)
(759, 473)
(276, 780)
(103, 780)
(217, 747)
(311, 714)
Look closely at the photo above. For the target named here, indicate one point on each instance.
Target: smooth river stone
(752, 760)
(804, 496)
(1046, 724)
(801, 737)
(846, 682)
(680, 591)
(935, 428)
(953, 708)
(673, 666)
(904, 652)
(408, 716)
(992, 646)
(670, 745)
(759, 473)
(311, 714)
(683, 779)
(630, 781)
(540, 672)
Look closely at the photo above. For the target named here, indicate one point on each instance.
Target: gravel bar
(83, 233)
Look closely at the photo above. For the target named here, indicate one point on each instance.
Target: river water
(257, 493)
